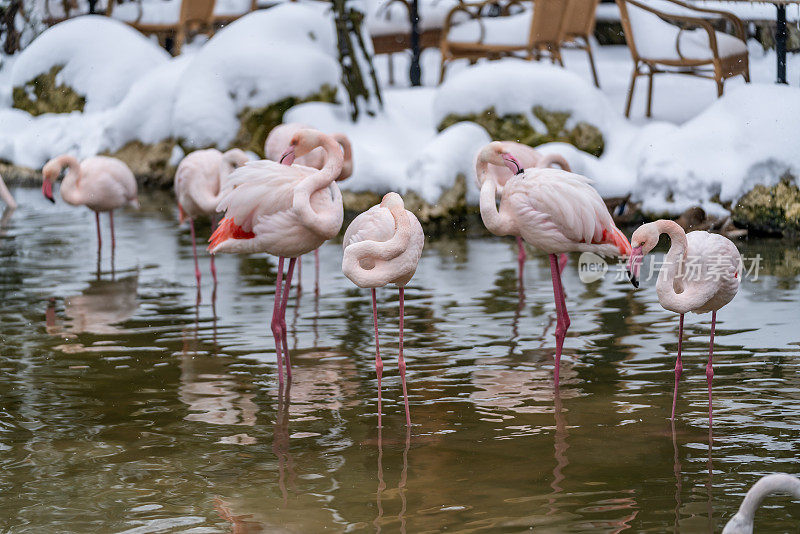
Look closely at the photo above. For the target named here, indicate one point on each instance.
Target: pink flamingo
(700, 274)
(553, 210)
(284, 210)
(277, 141)
(742, 522)
(100, 183)
(5, 194)
(528, 157)
(383, 246)
(198, 182)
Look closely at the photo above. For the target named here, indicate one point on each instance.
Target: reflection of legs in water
(676, 470)
(214, 313)
(517, 315)
(381, 483)
(280, 440)
(521, 257)
(561, 446)
(402, 485)
(239, 523)
(710, 484)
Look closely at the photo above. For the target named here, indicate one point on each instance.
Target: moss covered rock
(44, 94)
(770, 210)
(517, 127)
(150, 163)
(256, 123)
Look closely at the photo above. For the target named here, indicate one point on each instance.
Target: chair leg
(720, 82)
(591, 63)
(746, 74)
(650, 93)
(634, 75)
(390, 58)
(442, 70)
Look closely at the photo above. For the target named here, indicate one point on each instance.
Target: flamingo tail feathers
(227, 229)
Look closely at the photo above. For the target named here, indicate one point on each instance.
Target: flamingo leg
(710, 367)
(316, 272)
(194, 251)
(521, 256)
(299, 275)
(213, 267)
(99, 239)
(562, 262)
(378, 361)
(561, 312)
(288, 286)
(401, 362)
(276, 323)
(113, 240)
(678, 367)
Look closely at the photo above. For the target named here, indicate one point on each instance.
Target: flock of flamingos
(289, 204)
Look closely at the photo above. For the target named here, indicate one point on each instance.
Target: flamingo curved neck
(776, 483)
(70, 191)
(495, 222)
(329, 222)
(380, 251)
(347, 156)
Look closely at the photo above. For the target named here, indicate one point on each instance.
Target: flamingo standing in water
(742, 522)
(284, 210)
(198, 182)
(277, 141)
(553, 210)
(383, 246)
(700, 274)
(528, 157)
(5, 194)
(100, 183)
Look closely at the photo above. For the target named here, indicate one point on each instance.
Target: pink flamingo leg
(316, 272)
(561, 313)
(99, 238)
(521, 256)
(299, 275)
(194, 251)
(678, 367)
(288, 286)
(378, 361)
(113, 240)
(562, 262)
(401, 361)
(214, 224)
(276, 323)
(710, 367)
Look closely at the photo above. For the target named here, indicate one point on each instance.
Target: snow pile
(101, 59)
(747, 137)
(517, 86)
(266, 56)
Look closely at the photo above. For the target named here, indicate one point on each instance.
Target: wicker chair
(578, 27)
(166, 19)
(500, 28)
(56, 11)
(660, 43)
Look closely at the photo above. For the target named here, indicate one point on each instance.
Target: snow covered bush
(527, 101)
(83, 64)
(745, 138)
(240, 83)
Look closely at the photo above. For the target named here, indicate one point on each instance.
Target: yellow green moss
(44, 94)
(770, 210)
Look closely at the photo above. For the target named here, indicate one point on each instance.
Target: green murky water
(125, 406)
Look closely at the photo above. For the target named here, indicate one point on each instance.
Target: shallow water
(125, 406)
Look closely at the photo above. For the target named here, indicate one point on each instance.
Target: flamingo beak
(288, 157)
(634, 264)
(47, 190)
(512, 163)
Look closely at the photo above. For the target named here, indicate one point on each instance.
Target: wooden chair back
(199, 12)
(548, 21)
(579, 18)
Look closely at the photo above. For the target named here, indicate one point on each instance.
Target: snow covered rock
(83, 64)
(745, 138)
(240, 83)
(527, 101)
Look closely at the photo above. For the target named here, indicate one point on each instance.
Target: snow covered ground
(695, 149)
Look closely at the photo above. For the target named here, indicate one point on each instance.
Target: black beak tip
(634, 280)
(51, 199)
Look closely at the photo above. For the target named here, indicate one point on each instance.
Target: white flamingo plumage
(100, 183)
(198, 188)
(274, 147)
(528, 157)
(700, 274)
(383, 246)
(742, 522)
(283, 210)
(6, 195)
(553, 210)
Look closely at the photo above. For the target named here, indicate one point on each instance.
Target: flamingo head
(303, 142)
(392, 201)
(643, 240)
(495, 153)
(50, 172)
(233, 159)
